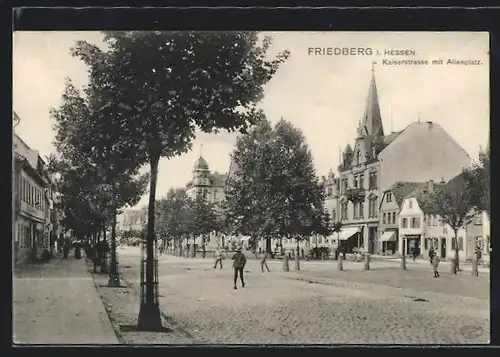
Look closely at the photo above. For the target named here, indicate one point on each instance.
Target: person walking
(218, 257)
(239, 262)
(435, 264)
(66, 248)
(432, 253)
(478, 259)
(263, 262)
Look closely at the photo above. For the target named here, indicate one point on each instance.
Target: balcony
(355, 194)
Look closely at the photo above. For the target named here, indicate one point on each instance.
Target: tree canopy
(275, 191)
(478, 180)
(92, 186)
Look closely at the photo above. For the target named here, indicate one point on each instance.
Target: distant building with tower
(213, 183)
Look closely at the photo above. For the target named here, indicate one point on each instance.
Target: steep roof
(424, 197)
(372, 119)
(400, 190)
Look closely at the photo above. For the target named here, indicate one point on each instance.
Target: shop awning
(347, 233)
(388, 236)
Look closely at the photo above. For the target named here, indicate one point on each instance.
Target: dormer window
(389, 197)
(410, 204)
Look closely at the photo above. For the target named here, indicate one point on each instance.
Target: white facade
(428, 231)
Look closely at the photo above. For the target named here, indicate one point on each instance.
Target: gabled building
(421, 152)
(420, 225)
(390, 204)
(32, 202)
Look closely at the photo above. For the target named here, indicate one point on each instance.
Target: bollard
(453, 267)
(297, 263)
(403, 262)
(475, 268)
(367, 262)
(340, 265)
(285, 267)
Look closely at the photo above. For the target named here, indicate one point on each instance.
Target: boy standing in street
(218, 257)
(263, 262)
(239, 262)
(435, 264)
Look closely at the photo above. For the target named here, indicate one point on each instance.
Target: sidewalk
(463, 266)
(57, 303)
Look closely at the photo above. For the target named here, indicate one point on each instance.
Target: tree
(275, 191)
(478, 181)
(202, 218)
(155, 88)
(455, 205)
(103, 181)
(173, 216)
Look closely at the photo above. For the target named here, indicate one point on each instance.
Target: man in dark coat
(239, 262)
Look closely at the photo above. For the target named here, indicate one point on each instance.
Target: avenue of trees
(147, 95)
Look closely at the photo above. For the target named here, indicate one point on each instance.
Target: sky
(323, 95)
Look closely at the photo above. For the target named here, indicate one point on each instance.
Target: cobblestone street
(320, 305)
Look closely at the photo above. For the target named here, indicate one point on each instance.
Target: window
(361, 181)
(410, 204)
(372, 208)
(478, 219)
(343, 212)
(393, 217)
(479, 242)
(355, 181)
(441, 222)
(426, 243)
(361, 210)
(460, 243)
(445, 230)
(404, 223)
(358, 157)
(384, 218)
(215, 195)
(372, 181)
(334, 216)
(415, 223)
(434, 220)
(329, 192)
(356, 210)
(389, 197)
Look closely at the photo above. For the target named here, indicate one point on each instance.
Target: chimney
(442, 180)
(430, 186)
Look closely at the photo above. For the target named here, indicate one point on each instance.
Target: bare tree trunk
(114, 277)
(457, 260)
(149, 313)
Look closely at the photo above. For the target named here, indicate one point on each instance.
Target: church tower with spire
(377, 162)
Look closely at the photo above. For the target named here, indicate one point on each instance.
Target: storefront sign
(412, 236)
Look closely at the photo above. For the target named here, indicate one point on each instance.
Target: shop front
(410, 242)
(388, 241)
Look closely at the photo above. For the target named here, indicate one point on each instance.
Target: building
(420, 225)
(478, 236)
(422, 151)
(390, 205)
(32, 201)
(212, 183)
(134, 220)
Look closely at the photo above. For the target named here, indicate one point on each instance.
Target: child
(435, 264)
(239, 262)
